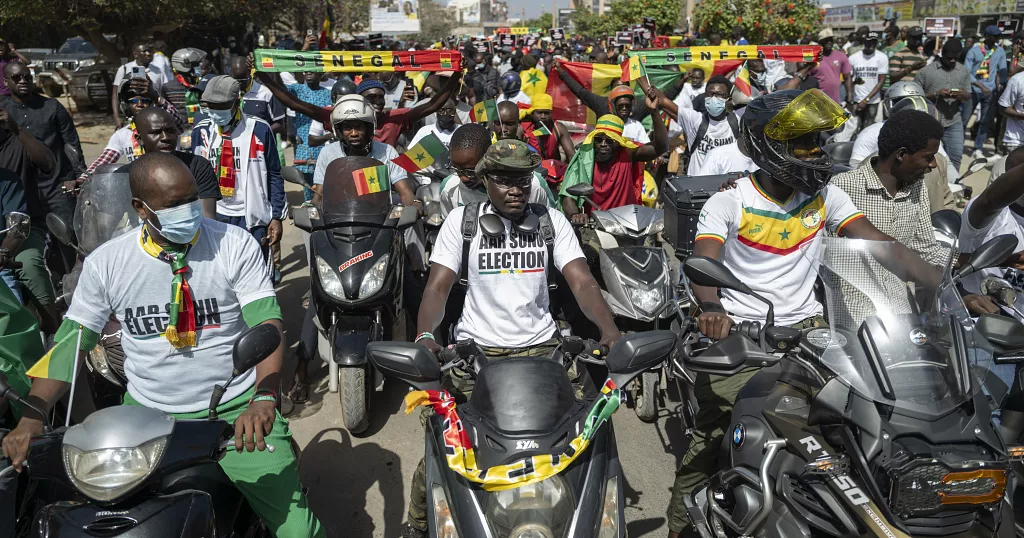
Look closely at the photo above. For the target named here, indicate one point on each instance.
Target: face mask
(759, 77)
(179, 224)
(715, 106)
(221, 117)
(480, 66)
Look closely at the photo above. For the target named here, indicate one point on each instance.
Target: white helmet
(187, 59)
(354, 107)
(898, 91)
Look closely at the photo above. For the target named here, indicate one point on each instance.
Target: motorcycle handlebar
(230, 443)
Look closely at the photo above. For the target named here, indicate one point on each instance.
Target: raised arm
(659, 145)
(593, 101)
(435, 103)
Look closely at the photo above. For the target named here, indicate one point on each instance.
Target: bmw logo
(738, 434)
(918, 337)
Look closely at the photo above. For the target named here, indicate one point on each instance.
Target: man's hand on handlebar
(433, 346)
(714, 325)
(609, 340)
(579, 219)
(16, 443)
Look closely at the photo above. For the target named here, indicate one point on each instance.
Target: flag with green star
(636, 68)
(422, 154)
(534, 81)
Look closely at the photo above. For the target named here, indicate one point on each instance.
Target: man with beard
(946, 84)
(544, 134)
(833, 64)
(9, 54)
(906, 62)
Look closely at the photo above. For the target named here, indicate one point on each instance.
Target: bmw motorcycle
(357, 253)
(522, 407)
(636, 280)
(138, 472)
(881, 425)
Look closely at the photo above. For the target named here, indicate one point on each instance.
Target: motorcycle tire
(355, 399)
(645, 396)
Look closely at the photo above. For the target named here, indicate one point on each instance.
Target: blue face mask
(178, 224)
(221, 117)
(715, 106)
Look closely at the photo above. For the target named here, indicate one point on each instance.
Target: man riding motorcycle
(758, 230)
(175, 351)
(507, 274)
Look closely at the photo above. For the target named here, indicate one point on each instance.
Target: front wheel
(645, 396)
(355, 398)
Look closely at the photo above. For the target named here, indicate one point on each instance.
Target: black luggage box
(684, 196)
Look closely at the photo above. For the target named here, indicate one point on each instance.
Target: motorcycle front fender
(349, 340)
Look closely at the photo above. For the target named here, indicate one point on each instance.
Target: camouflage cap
(509, 155)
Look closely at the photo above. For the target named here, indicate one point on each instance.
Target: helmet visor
(812, 111)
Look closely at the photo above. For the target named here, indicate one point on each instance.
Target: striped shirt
(906, 59)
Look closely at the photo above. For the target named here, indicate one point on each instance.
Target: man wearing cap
(243, 152)
(507, 306)
(986, 64)
(870, 68)
(906, 62)
(945, 83)
(833, 65)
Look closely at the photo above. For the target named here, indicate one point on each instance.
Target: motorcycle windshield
(104, 210)
(895, 342)
(342, 202)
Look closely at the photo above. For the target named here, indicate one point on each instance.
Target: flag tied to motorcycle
(59, 362)
(530, 470)
(422, 155)
(326, 61)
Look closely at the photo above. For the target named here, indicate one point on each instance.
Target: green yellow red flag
(422, 155)
(286, 61)
(371, 180)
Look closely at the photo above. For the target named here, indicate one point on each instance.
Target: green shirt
(906, 59)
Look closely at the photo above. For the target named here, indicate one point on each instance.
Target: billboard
(565, 18)
(835, 16)
(394, 16)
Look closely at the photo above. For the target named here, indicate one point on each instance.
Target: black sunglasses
(26, 77)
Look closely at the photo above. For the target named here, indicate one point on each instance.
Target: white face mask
(178, 224)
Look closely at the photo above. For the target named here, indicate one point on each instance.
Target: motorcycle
(636, 280)
(140, 472)
(523, 410)
(881, 425)
(357, 253)
(429, 192)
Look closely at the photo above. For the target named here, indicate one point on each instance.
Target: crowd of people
(203, 146)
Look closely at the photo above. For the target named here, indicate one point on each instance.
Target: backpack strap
(547, 232)
(470, 221)
(701, 131)
(734, 125)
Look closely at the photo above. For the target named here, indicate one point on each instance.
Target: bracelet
(424, 335)
(263, 398)
(708, 306)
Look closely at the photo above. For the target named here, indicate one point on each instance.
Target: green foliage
(436, 21)
(545, 21)
(787, 19)
(626, 13)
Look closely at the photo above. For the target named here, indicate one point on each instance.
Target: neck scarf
(181, 328)
(137, 149)
(227, 158)
(581, 167)
(191, 97)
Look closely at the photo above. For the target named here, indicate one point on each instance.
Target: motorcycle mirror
(60, 229)
(5, 387)
(75, 156)
(636, 353)
(303, 217)
(411, 363)
(1004, 333)
(704, 271)
(408, 218)
(976, 165)
(293, 175)
(581, 190)
(947, 221)
(991, 254)
(256, 344)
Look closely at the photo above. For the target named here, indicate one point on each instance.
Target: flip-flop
(299, 393)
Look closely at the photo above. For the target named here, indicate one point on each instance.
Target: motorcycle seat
(522, 394)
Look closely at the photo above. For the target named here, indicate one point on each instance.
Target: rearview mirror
(636, 353)
(256, 344)
(947, 221)
(412, 363)
(408, 218)
(303, 217)
(992, 253)
(976, 166)
(60, 229)
(581, 190)
(75, 156)
(1005, 334)
(19, 224)
(293, 175)
(704, 271)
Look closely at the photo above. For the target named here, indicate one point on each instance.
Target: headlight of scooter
(656, 227)
(541, 510)
(106, 474)
(647, 300)
(444, 522)
(329, 280)
(374, 278)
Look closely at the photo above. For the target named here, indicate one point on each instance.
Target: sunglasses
(446, 112)
(22, 77)
(509, 182)
(467, 173)
(140, 101)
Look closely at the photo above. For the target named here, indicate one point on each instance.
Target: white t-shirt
(726, 159)
(155, 74)
(444, 136)
(1006, 222)
(455, 194)
(687, 94)
(393, 97)
(634, 130)
(763, 242)
(163, 64)
(380, 151)
(121, 142)
(866, 145)
(1014, 96)
(868, 68)
(507, 295)
(719, 133)
(227, 273)
(520, 99)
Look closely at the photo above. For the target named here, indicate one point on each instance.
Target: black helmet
(773, 124)
(124, 93)
(341, 88)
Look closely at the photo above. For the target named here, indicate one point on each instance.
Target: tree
(586, 22)
(626, 13)
(787, 19)
(545, 22)
(436, 21)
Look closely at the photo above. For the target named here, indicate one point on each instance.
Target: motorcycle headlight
(647, 300)
(444, 522)
(329, 280)
(541, 510)
(106, 474)
(97, 361)
(611, 226)
(656, 227)
(374, 278)
(610, 513)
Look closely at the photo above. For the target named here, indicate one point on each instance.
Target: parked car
(35, 58)
(77, 67)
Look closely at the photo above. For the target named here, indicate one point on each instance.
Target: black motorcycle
(357, 254)
(138, 472)
(523, 413)
(881, 425)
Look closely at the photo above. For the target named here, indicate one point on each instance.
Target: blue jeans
(985, 117)
(953, 141)
(12, 282)
(307, 194)
(259, 233)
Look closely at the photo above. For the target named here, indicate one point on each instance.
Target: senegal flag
(541, 130)
(484, 111)
(534, 81)
(371, 180)
(20, 344)
(599, 79)
(421, 155)
(636, 68)
(742, 81)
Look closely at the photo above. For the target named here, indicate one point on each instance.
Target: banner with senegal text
(287, 61)
(691, 55)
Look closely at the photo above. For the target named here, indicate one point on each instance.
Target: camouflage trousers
(716, 396)
(460, 385)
